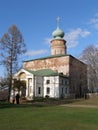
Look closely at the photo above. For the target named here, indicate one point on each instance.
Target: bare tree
(11, 47)
(90, 57)
(3, 81)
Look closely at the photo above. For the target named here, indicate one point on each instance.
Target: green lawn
(29, 117)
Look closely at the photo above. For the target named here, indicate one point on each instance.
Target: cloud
(94, 21)
(36, 52)
(96, 46)
(72, 37)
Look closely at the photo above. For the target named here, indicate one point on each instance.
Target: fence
(92, 95)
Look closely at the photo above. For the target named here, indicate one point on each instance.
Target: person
(17, 98)
(13, 98)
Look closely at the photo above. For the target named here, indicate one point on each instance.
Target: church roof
(42, 72)
(48, 57)
(58, 33)
(45, 72)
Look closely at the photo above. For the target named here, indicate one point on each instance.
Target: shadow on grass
(8, 105)
(38, 104)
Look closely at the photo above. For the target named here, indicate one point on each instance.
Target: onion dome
(58, 33)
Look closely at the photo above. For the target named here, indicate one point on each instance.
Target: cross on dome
(58, 21)
(58, 33)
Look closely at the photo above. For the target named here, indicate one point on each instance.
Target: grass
(40, 117)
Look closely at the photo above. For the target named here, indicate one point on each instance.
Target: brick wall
(78, 76)
(60, 64)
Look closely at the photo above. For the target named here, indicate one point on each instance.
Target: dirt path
(82, 106)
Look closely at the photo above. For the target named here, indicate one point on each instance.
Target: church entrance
(23, 88)
(20, 86)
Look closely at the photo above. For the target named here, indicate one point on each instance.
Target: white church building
(42, 83)
(56, 75)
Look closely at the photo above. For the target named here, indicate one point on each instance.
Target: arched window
(22, 75)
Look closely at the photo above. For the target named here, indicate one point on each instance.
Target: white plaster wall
(53, 85)
(29, 85)
(38, 83)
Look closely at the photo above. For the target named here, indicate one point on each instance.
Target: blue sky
(36, 19)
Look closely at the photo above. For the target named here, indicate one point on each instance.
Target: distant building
(56, 75)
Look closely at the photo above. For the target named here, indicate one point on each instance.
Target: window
(65, 82)
(47, 81)
(39, 90)
(62, 90)
(62, 81)
(48, 90)
(65, 90)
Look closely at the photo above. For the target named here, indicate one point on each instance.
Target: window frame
(48, 90)
(48, 81)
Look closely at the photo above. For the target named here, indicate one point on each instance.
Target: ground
(50, 117)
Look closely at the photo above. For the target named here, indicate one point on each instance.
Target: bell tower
(58, 44)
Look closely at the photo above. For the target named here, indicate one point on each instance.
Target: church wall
(43, 83)
(59, 64)
(63, 86)
(38, 86)
(78, 76)
(68, 65)
(53, 85)
(58, 46)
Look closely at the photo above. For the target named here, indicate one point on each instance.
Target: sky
(36, 20)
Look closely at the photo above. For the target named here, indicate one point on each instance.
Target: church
(57, 75)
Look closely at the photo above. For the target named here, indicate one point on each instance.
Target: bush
(62, 96)
(38, 99)
(47, 96)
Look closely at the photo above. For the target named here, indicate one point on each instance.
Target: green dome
(58, 33)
